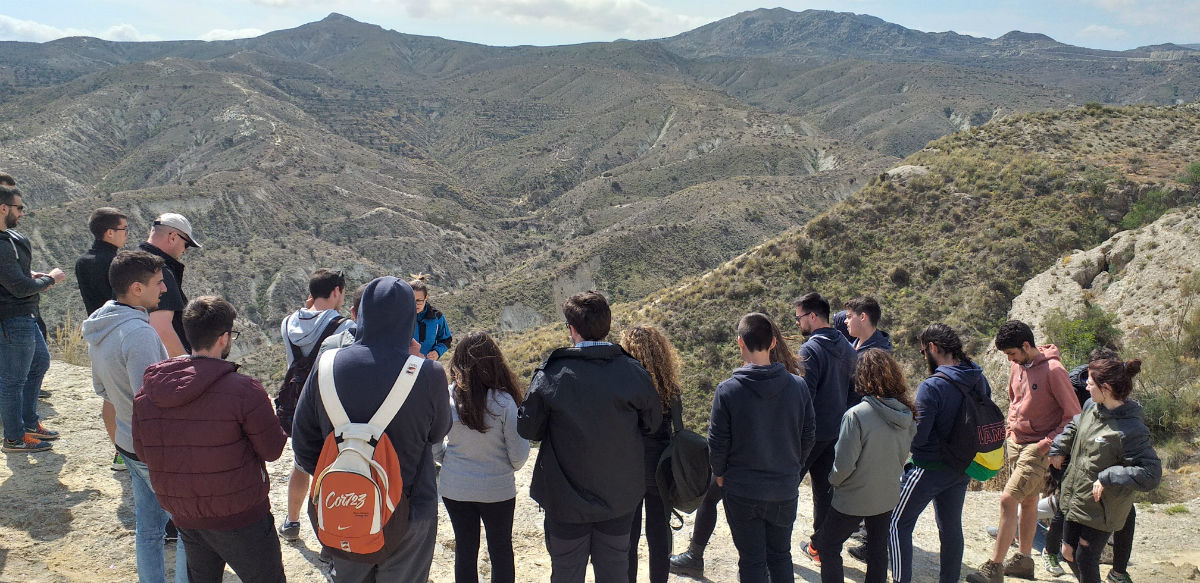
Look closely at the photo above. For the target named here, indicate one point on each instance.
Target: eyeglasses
(233, 335)
(801, 316)
(119, 229)
(19, 207)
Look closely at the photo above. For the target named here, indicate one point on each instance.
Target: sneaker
(43, 394)
(994, 531)
(118, 463)
(40, 432)
(860, 535)
(290, 530)
(859, 552)
(988, 572)
(28, 444)
(689, 563)
(812, 554)
(1115, 577)
(1020, 566)
(1053, 564)
(170, 533)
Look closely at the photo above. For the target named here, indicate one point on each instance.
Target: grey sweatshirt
(478, 467)
(303, 328)
(869, 457)
(122, 344)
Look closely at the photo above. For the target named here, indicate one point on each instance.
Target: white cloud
(1102, 32)
(28, 30)
(230, 34)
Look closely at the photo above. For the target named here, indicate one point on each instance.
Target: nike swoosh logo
(343, 527)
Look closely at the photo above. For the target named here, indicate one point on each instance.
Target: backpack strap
(960, 386)
(676, 415)
(386, 412)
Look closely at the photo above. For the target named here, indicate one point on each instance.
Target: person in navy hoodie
(759, 434)
(364, 373)
(927, 478)
(828, 361)
(862, 325)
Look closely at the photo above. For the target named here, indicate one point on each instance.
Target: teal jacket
(432, 331)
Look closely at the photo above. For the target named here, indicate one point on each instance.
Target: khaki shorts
(1028, 468)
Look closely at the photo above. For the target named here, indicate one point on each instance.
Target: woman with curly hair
(869, 456)
(658, 356)
(480, 456)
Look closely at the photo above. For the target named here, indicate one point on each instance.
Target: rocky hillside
(949, 236)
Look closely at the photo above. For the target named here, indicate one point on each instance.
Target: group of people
(195, 434)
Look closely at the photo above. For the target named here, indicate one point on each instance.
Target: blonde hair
(651, 348)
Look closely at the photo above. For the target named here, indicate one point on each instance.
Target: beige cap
(180, 223)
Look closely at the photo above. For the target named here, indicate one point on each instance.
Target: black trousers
(658, 539)
(1088, 544)
(571, 545)
(251, 551)
(497, 519)
(818, 466)
(706, 516)
(1122, 539)
(833, 534)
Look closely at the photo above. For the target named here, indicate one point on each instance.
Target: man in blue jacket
(759, 434)
(828, 361)
(927, 478)
(364, 373)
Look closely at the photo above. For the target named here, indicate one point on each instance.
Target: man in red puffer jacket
(205, 432)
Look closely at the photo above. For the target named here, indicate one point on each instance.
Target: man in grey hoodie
(122, 343)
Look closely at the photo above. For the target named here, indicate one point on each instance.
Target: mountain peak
(335, 17)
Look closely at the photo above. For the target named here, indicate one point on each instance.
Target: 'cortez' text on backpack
(976, 443)
(358, 507)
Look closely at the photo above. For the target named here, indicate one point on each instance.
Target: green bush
(1077, 337)
(1192, 177)
(1147, 209)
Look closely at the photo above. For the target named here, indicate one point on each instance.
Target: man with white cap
(170, 236)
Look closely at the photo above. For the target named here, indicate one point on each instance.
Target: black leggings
(1088, 544)
(1122, 540)
(658, 538)
(706, 516)
(497, 518)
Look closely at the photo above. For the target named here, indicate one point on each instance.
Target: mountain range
(513, 176)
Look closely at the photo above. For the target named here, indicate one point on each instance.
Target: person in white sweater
(480, 456)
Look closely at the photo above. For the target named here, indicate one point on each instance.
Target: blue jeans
(23, 364)
(150, 520)
(762, 533)
(947, 489)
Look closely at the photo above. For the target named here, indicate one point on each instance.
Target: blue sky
(1107, 24)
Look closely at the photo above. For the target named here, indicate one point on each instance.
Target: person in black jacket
(110, 228)
(760, 432)
(589, 406)
(25, 355)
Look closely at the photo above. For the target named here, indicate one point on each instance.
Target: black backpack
(683, 473)
(297, 375)
(976, 442)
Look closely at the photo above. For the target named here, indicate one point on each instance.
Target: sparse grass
(67, 343)
(1175, 509)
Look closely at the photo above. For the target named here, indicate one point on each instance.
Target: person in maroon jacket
(205, 432)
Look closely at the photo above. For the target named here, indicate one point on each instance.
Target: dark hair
(1117, 374)
(755, 330)
(6, 179)
(356, 299)
(651, 348)
(205, 319)
(8, 194)
(866, 305)
(324, 281)
(1014, 334)
(783, 353)
(103, 219)
(132, 266)
(813, 302)
(477, 366)
(877, 374)
(946, 339)
(588, 312)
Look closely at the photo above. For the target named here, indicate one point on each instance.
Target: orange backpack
(359, 510)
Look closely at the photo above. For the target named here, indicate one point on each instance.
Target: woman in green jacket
(1108, 446)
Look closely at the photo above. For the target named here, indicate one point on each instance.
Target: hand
(1097, 490)
(1057, 461)
(720, 481)
(414, 348)
(433, 355)
(1043, 447)
(58, 275)
(308, 302)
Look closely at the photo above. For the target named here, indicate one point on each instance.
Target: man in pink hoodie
(1041, 403)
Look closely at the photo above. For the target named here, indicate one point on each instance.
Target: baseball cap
(180, 223)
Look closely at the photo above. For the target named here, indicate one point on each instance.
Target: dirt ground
(65, 516)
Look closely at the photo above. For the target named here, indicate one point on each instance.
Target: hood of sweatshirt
(966, 374)
(831, 340)
(879, 339)
(304, 326)
(108, 318)
(180, 381)
(895, 413)
(1045, 354)
(766, 381)
(387, 315)
(1130, 409)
